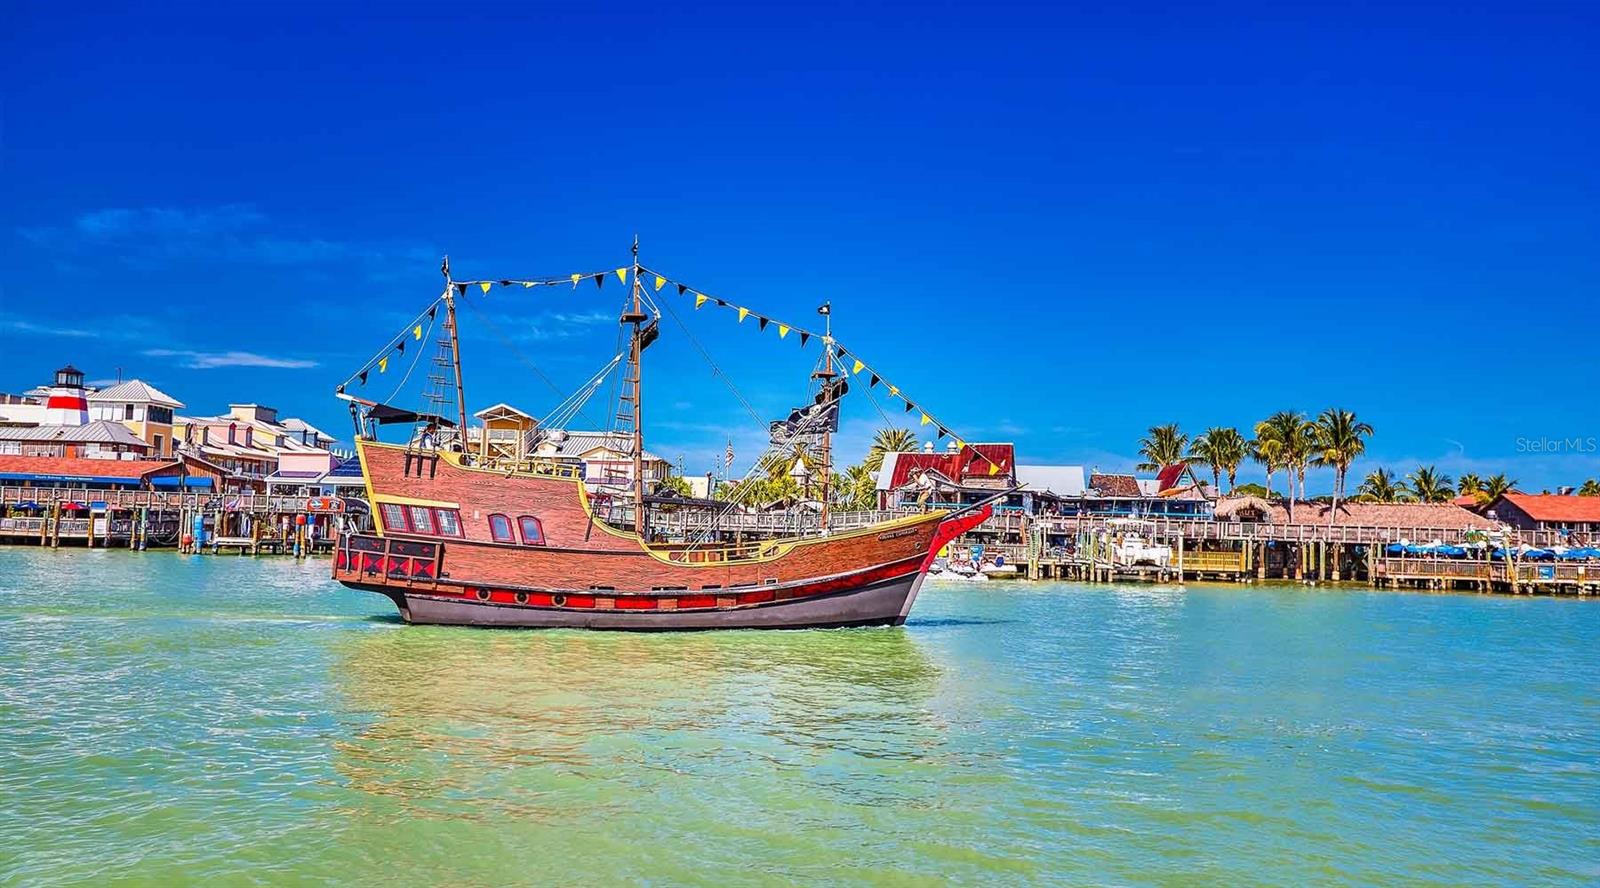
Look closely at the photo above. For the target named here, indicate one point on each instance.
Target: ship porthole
(483, 594)
(558, 600)
(522, 597)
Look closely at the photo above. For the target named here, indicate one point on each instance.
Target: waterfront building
(145, 410)
(504, 432)
(953, 478)
(301, 473)
(250, 443)
(605, 457)
(1563, 513)
(102, 439)
(83, 472)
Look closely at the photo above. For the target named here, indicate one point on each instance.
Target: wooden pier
(140, 519)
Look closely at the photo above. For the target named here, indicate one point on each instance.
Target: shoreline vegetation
(1290, 442)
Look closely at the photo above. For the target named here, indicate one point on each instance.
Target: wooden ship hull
(462, 545)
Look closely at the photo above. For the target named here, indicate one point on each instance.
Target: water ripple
(176, 719)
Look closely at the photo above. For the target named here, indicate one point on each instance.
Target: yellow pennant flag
(416, 332)
(383, 365)
(743, 313)
(576, 278)
(960, 445)
(622, 275)
(782, 331)
(659, 281)
(699, 300)
(926, 419)
(856, 369)
(894, 390)
(485, 285)
(993, 468)
(527, 284)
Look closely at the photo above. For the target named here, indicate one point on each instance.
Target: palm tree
(1233, 448)
(1267, 450)
(1429, 485)
(1497, 486)
(1379, 487)
(1207, 450)
(1162, 447)
(1469, 484)
(855, 489)
(1339, 440)
(1590, 487)
(1296, 436)
(888, 441)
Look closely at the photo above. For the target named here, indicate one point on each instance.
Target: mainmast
(455, 352)
(636, 316)
(826, 374)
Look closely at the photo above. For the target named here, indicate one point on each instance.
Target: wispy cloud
(233, 233)
(47, 330)
(197, 360)
(558, 325)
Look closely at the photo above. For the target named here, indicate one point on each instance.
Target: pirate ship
(468, 534)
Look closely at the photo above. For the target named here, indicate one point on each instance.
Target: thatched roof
(1229, 508)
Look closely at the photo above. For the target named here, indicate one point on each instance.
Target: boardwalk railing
(1531, 573)
(155, 499)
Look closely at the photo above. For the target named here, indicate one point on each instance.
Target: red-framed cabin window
(394, 518)
(500, 529)
(421, 519)
(532, 530)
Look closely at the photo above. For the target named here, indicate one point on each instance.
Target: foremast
(635, 315)
(827, 375)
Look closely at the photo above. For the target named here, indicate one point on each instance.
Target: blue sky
(1051, 224)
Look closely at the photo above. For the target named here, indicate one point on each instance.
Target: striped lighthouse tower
(67, 403)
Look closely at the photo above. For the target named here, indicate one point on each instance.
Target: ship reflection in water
(569, 726)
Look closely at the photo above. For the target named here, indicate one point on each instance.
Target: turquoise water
(169, 719)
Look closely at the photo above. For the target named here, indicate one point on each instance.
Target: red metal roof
(79, 467)
(1553, 507)
(974, 461)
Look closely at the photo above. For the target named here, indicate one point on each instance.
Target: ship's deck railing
(362, 557)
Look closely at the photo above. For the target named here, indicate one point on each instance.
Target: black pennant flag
(600, 281)
(401, 348)
(432, 312)
(873, 381)
(909, 405)
(505, 283)
(724, 304)
(363, 376)
(761, 324)
(942, 433)
(681, 289)
(461, 289)
(803, 337)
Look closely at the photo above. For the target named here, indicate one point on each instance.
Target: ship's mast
(826, 375)
(455, 353)
(636, 317)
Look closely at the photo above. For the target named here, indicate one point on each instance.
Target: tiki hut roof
(1229, 508)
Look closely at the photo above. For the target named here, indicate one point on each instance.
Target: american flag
(728, 459)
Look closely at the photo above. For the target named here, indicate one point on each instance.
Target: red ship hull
(565, 568)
